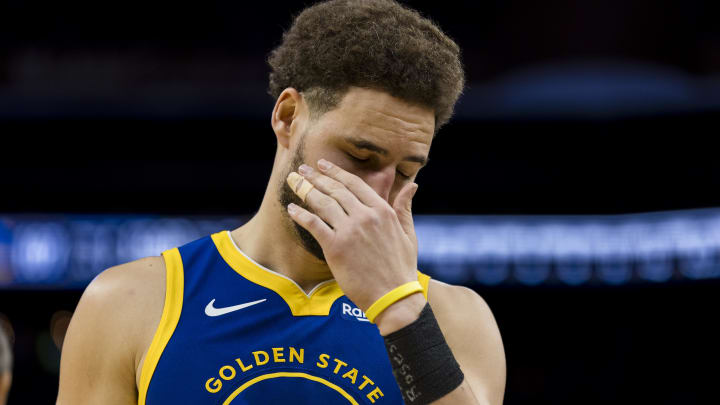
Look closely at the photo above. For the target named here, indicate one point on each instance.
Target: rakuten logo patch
(353, 312)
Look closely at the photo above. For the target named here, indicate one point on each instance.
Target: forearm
(403, 331)
(400, 314)
(462, 395)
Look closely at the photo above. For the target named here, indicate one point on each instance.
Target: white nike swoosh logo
(210, 310)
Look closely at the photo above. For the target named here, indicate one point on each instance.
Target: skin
(353, 226)
(5, 383)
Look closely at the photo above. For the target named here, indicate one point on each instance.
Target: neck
(269, 239)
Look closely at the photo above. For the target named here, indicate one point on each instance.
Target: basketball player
(6, 361)
(322, 303)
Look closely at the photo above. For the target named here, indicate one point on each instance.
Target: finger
(321, 204)
(333, 189)
(403, 208)
(312, 223)
(362, 191)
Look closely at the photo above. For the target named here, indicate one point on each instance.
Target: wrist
(423, 364)
(400, 313)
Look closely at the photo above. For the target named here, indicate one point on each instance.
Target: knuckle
(387, 212)
(353, 180)
(370, 219)
(309, 218)
(384, 214)
(305, 217)
(324, 203)
(334, 189)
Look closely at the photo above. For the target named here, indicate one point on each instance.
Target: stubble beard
(287, 196)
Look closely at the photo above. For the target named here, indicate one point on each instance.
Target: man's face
(390, 136)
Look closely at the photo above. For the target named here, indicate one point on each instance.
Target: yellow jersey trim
(174, 290)
(290, 374)
(317, 302)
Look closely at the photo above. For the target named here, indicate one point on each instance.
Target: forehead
(375, 114)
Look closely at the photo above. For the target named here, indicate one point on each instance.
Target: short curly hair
(378, 44)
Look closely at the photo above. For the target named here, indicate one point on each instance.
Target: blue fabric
(209, 353)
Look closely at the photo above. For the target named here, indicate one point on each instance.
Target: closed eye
(356, 159)
(366, 160)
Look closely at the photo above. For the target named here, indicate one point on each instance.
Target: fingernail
(292, 208)
(324, 164)
(305, 169)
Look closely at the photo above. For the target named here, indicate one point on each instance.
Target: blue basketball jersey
(235, 332)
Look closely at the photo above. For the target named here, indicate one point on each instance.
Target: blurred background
(576, 188)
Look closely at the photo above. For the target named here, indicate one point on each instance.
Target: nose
(382, 181)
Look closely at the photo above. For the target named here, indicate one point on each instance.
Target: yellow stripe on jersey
(174, 289)
(318, 302)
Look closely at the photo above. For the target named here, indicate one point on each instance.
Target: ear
(287, 108)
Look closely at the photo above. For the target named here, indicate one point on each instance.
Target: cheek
(342, 160)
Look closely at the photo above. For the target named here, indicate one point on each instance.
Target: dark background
(592, 107)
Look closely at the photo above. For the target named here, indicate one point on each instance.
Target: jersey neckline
(317, 302)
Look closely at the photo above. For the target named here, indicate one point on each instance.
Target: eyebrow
(364, 144)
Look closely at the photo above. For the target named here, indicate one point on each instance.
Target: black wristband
(423, 364)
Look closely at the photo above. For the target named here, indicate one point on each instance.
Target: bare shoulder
(473, 335)
(139, 280)
(111, 328)
(457, 300)
(463, 311)
(129, 295)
